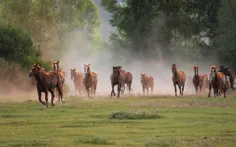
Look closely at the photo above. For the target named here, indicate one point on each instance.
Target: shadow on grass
(96, 141)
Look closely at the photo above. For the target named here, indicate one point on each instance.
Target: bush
(17, 46)
(134, 115)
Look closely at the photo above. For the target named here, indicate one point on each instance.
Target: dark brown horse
(90, 80)
(46, 82)
(77, 78)
(178, 78)
(197, 80)
(147, 82)
(217, 81)
(230, 80)
(118, 78)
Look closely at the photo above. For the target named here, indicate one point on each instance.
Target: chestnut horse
(118, 78)
(197, 80)
(90, 80)
(147, 82)
(128, 81)
(217, 81)
(46, 82)
(56, 68)
(77, 78)
(178, 78)
(205, 85)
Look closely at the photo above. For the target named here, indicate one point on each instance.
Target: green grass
(135, 122)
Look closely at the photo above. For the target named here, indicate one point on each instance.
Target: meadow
(153, 121)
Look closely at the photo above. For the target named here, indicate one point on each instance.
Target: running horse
(217, 81)
(56, 68)
(128, 81)
(197, 80)
(77, 78)
(147, 82)
(205, 85)
(46, 81)
(118, 78)
(179, 79)
(90, 80)
(230, 80)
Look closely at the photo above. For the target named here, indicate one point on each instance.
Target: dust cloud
(102, 61)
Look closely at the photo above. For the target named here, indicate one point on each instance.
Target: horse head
(55, 66)
(142, 77)
(72, 73)
(195, 68)
(174, 68)
(87, 68)
(213, 71)
(34, 70)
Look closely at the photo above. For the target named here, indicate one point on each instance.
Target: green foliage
(17, 46)
(227, 33)
(98, 141)
(147, 28)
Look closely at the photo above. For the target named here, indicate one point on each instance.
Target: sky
(105, 28)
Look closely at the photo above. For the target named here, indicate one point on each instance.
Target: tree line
(196, 30)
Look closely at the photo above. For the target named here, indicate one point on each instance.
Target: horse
(178, 78)
(197, 80)
(147, 82)
(77, 78)
(90, 80)
(128, 81)
(56, 68)
(230, 81)
(118, 78)
(46, 81)
(217, 81)
(205, 84)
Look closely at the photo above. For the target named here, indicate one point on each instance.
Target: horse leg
(180, 90)
(112, 90)
(119, 89)
(143, 91)
(195, 86)
(87, 89)
(52, 96)
(175, 89)
(183, 89)
(60, 91)
(39, 97)
(46, 97)
(152, 89)
(209, 94)
(147, 91)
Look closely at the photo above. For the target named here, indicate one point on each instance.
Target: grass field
(134, 121)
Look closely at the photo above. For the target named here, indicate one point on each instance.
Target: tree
(148, 27)
(227, 33)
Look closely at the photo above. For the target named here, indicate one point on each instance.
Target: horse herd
(87, 81)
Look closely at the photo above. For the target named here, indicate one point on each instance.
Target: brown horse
(178, 78)
(90, 80)
(77, 78)
(217, 81)
(128, 81)
(46, 82)
(197, 80)
(147, 82)
(118, 78)
(230, 81)
(205, 85)
(56, 68)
